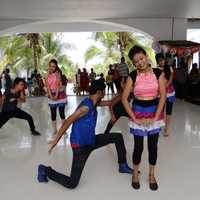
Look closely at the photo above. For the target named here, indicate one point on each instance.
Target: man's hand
(52, 144)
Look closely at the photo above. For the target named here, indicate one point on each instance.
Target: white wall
(180, 29)
(10, 23)
(159, 29)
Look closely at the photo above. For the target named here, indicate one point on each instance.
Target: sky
(81, 41)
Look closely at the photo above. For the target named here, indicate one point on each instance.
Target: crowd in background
(117, 73)
(35, 84)
(186, 81)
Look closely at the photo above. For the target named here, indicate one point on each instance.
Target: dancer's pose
(168, 71)
(146, 114)
(10, 110)
(117, 109)
(56, 93)
(83, 140)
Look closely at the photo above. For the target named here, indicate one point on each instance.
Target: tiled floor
(178, 169)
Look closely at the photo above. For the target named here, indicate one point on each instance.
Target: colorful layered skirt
(171, 94)
(61, 101)
(146, 109)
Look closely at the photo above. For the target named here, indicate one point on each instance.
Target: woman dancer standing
(57, 97)
(168, 71)
(146, 116)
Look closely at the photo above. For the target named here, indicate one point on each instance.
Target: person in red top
(84, 81)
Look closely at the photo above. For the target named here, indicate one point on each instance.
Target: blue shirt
(83, 130)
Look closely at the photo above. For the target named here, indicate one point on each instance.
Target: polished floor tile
(178, 169)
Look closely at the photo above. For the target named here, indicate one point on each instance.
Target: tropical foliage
(33, 51)
(26, 52)
(109, 47)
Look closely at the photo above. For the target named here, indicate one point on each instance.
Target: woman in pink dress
(57, 97)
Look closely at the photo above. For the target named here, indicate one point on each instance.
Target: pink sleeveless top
(52, 81)
(146, 85)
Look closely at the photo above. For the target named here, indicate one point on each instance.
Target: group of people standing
(152, 95)
(117, 74)
(83, 80)
(35, 84)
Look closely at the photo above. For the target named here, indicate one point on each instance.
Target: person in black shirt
(10, 109)
(8, 80)
(117, 110)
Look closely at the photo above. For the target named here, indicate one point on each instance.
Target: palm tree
(124, 39)
(105, 48)
(35, 45)
(29, 51)
(51, 47)
(12, 48)
(111, 44)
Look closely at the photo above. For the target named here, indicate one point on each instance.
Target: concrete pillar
(179, 29)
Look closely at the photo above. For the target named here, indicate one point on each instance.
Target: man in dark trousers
(83, 140)
(10, 110)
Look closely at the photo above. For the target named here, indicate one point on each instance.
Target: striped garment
(147, 110)
(62, 99)
(171, 94)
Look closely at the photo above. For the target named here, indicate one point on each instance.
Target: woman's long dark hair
(167, 72)
(54, 61)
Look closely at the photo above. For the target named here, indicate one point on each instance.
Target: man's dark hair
(18, 80)
(7, 71)
(96, 85)
(134, 50)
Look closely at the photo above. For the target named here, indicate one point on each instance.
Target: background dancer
(57, 97)
(170, 100)
(10, 110)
